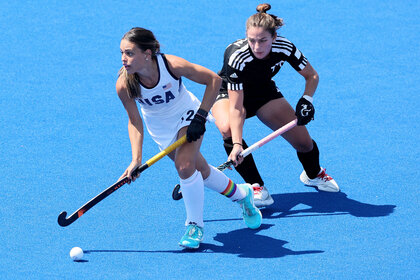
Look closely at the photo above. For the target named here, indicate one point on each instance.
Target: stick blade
(62, 220)
(176, 193)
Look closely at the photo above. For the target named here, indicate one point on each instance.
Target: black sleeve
(296, 58)
(232, 74)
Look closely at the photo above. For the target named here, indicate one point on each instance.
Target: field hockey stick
(63, 221)
(176, 193)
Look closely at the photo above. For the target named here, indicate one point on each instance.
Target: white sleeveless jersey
(167, 107)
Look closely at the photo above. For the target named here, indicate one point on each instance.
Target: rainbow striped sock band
(230, 189)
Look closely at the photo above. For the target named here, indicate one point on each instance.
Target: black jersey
(242, 70)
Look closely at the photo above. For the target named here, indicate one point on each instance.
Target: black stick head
(62, 220)
(176, 193)
(225, 165)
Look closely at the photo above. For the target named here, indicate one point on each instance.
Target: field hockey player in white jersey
(248, 90)
(153, 80)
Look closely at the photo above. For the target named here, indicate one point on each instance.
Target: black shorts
(255, 98)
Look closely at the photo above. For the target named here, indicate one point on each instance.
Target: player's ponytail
(267, 21)
(132, 82)
(144, 40)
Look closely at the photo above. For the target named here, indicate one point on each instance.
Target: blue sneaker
(251, 214)
(192, 237)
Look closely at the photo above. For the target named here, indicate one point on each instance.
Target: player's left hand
(305, 111)
(197, 126)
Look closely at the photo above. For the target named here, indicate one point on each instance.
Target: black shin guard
(310, 161)
(247, 169)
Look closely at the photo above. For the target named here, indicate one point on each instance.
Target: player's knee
(185, 168)
(304, 147)
(224, 128)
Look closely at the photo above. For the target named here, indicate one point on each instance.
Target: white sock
(220, 183)
(192, 190)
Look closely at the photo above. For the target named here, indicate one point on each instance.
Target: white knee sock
(192, 190)
(220, 183)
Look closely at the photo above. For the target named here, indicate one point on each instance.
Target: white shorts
(164, 129)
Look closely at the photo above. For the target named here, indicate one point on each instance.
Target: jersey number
(190, 114)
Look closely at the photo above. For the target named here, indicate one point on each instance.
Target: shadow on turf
(322, 204)
(245, 243)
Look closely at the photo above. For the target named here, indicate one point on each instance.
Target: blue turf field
(64, 139)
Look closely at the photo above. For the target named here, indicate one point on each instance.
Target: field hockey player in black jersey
(248, 90)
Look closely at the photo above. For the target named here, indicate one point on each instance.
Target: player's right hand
(235, 155)
(129, 172)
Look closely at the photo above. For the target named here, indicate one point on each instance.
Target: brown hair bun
(262, 8)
